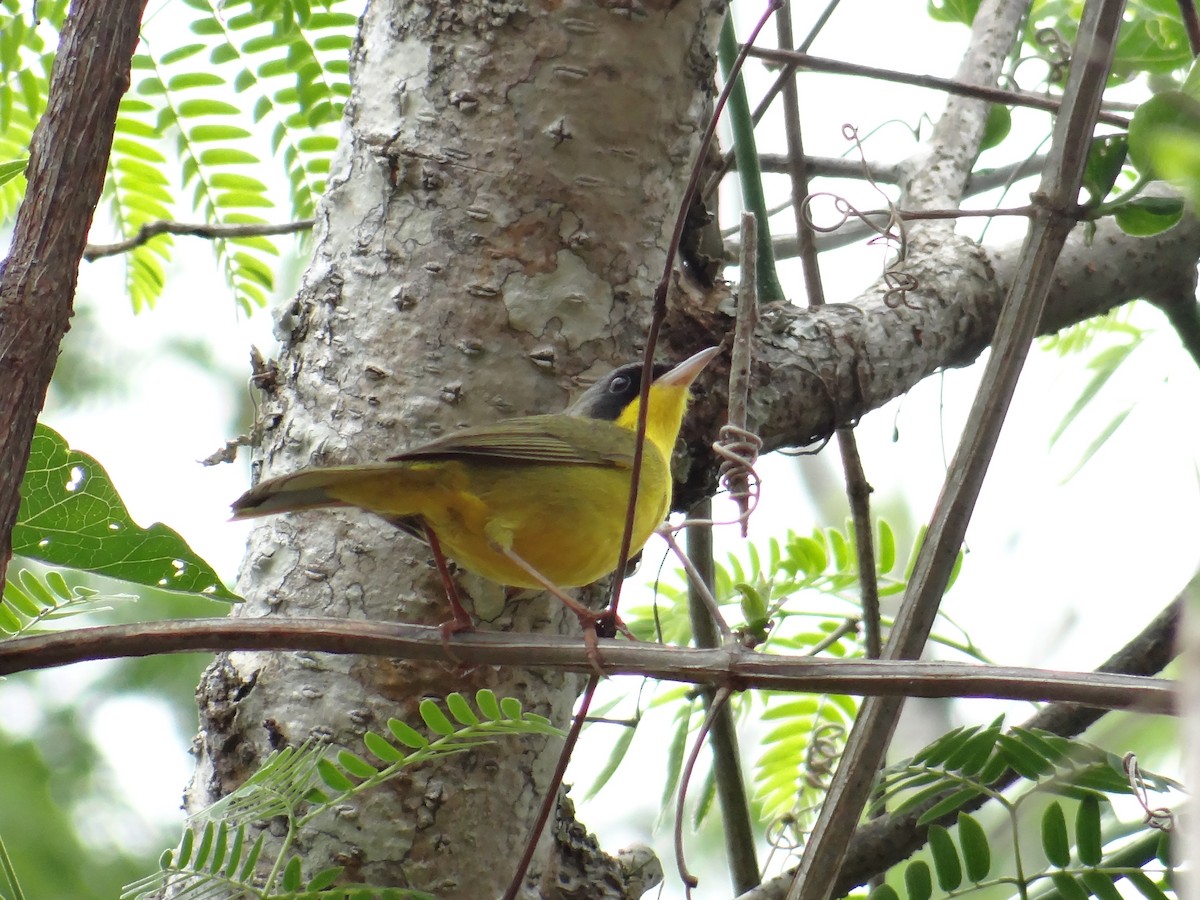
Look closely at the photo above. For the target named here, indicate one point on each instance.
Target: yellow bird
(534, 501)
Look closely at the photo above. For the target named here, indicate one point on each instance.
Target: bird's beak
(685, 372)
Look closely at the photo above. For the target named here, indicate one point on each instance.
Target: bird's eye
(619, 385)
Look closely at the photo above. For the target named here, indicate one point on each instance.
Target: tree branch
(735, 667)
(68, 156)
(93, 252)
(819, 369)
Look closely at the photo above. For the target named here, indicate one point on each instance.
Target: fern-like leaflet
(1085, 852)
(223, 859)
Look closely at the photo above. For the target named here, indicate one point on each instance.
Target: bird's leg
(602, 623)
(462, 620)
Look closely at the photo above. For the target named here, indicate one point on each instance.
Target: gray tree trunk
(496, 220)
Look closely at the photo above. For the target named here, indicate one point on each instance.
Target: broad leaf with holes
(72, 516)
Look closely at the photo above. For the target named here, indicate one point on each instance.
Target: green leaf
(461, 709)
(1104, 364)
(220, 845)
(976, 852)
(918, 881)
(1163, 851)
(291, 875)
(72, 516)
(620, 748)
(185, 847)
(485, 699)
(382, 748)
(324, 878)
(235, 851)
(1145, 886)
(886, 546)
(883, 892)
(946, 805)
(511, 707)
(945, 858)
(196, 107)
(1088, 843)
(1068, 888)
(1148, 216)
(22, 601)
(9, 623)
(1104, 163)
(252, 859)
(407, 735)
(937, 752)
(675, 752)
(1055, 843)
(12, 169)
(841, 549)
(194, 79)
(999, 124)
(1099, 441)
(974, 752)
(1166, 113)
(704, 798)
(960, 11)
(356, 765)
(434, 718)
(1100, 886)
(332, 776)
(753, 604)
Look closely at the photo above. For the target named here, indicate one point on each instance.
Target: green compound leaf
(72, 516)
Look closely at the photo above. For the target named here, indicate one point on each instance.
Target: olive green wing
(560, 439)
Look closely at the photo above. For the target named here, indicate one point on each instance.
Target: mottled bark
(496, 219)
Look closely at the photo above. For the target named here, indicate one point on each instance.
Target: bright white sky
(1057, 575)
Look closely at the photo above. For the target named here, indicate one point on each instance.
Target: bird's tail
(307, 489)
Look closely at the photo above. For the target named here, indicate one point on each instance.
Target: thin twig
(731, 788)
(698, 587)
(550, 800)
(718, 704)
(738, 447)
(93, 252)
(891, 173)
(949, 85)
